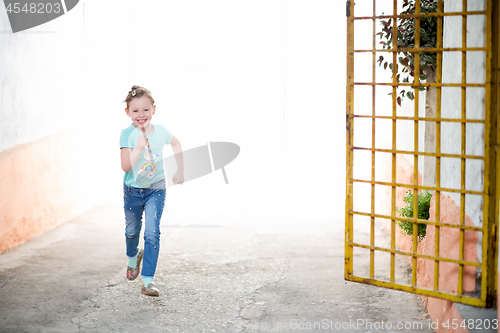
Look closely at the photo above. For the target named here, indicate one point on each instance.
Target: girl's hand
(142, 141)
(178, 178)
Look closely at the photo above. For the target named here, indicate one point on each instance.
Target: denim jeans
(151, 201)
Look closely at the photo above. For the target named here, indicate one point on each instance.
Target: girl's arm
(129, 156)
(178, 177)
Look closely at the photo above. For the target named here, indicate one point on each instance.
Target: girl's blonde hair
(137, 92)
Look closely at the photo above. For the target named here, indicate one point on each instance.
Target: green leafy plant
(406, 40)
(424, 204)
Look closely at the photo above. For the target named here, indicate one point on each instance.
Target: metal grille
(487, 259)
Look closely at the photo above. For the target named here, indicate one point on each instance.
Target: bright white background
(266, 75)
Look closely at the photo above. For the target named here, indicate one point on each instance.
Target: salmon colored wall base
(442, 310)
(439, 310)
(38, 188)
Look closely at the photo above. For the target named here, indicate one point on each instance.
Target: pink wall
(38, 188)
(439, 310)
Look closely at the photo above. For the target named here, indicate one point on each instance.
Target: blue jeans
(151, 201)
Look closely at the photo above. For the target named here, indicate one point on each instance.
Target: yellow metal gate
(368, 121)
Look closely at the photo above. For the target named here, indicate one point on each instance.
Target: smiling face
(141, 112)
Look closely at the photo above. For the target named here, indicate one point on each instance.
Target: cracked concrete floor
(269, 276)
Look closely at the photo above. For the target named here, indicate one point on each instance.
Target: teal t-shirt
(149, 166)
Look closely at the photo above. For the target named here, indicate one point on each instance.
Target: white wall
(41, 72)
(451, 107)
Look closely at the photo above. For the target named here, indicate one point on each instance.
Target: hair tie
(133, 93)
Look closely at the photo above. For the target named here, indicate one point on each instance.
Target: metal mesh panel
(458, 134)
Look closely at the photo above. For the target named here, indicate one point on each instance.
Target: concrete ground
(279, 275)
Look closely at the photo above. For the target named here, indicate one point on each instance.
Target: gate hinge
(348, 8)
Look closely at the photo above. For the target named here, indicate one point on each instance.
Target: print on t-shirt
(147, 171)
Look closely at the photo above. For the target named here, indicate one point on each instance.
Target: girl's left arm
(178, 177)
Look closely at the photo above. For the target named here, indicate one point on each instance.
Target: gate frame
(491, 187)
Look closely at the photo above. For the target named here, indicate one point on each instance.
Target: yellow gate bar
(421, 291)
(416, 84)
(442, 14)
(461, 244)
(490, 248)
(420, 153)
(393, 180)
(441, 224)
(418, 186)
(416, 254)
(349, 139)
(437, 194)
(455, 120)
(372, 203)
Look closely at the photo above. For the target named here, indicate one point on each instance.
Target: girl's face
(141, 112)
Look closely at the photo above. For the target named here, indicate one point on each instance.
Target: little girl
(144, 188)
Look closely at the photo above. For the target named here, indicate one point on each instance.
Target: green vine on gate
(423, 206)
(406, 40)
